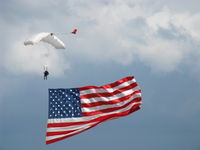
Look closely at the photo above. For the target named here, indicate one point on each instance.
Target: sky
(155, 41)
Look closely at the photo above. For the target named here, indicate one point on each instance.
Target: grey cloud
(119, 31)
(115, 39)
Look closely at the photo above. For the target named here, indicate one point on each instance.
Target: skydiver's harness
(46, 73)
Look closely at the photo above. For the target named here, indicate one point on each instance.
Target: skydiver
(46, 73)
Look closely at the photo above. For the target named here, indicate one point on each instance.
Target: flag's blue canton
(64, 103)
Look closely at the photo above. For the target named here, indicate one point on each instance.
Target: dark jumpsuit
(46, 73)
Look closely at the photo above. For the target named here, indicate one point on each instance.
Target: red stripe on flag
(98, 103)
(111, 85)
(67, 124)
(88, 96)
(126, 99)
(110, 109)
(59, 133)
(133, 109)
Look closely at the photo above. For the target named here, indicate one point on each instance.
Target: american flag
(74, 110)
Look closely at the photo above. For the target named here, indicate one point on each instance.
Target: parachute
(46, 37)
(50, 39)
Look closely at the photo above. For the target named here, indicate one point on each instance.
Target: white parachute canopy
(49, 38)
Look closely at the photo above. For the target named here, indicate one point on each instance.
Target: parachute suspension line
(46, 55)
(66, 33)
(58, 33)
(45, 67)
(48, 38)
(48, 50)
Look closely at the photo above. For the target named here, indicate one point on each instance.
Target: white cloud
(160, 39)
(20, 59)
(119, 31)
(31, 59)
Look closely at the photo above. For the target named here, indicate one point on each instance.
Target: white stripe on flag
(59, 136)
(107, 90)
(117, 96)
(82, 119)
(97, 108)
(75, 127)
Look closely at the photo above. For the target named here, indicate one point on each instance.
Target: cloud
(124, 33)
(32, 59)
(19, 59)
(116, 31)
